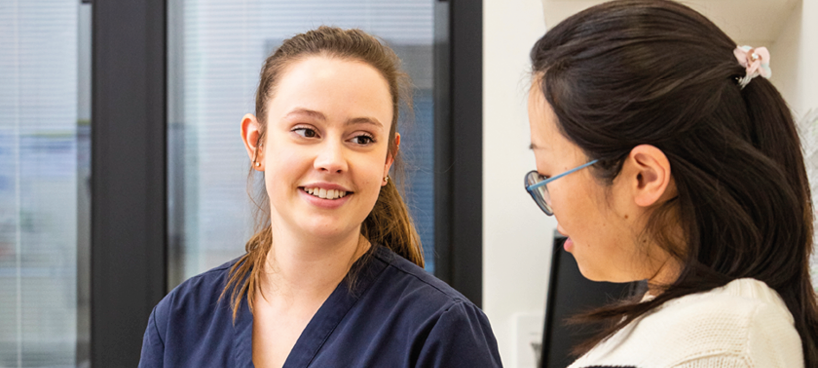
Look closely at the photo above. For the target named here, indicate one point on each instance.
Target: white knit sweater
(742, 324)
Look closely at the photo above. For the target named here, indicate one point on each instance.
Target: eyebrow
(319, 116)
(311, 113)
(364, 120)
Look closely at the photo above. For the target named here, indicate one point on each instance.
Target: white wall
(794, 57)
(517, 235)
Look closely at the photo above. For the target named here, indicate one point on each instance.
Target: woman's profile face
(325, 154)
(602, 236)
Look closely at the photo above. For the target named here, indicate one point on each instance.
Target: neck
(666, 275)
(298, 268)
(666, 268)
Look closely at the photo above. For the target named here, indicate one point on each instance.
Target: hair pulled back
(656, 72)
(389, 223)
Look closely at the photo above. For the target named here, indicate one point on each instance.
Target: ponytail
(245, 275)
(389, 224)
(776, 135)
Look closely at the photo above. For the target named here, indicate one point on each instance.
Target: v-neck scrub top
(398, 316)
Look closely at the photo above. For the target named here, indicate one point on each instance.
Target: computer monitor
(569, 293)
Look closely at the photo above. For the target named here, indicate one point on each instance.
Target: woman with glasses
(333, 277)
(666, 155)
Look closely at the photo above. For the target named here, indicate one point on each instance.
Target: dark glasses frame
(535, 185)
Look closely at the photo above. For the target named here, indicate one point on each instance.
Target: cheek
(370, 171)
(569, 196)
(577, 208)
(282, 168)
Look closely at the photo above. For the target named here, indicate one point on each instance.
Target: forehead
(547, 141)
(544, 131)
(332, 85)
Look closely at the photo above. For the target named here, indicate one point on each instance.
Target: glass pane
(44, 169)
(216, 48)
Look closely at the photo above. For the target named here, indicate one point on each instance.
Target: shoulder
(419, 296)
(193, 317)
(745, 318)
(412, 280)
(445, 327)
(731, 310)
(200, 292)
(744, 321)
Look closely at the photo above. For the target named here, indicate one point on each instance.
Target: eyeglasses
(535, 185)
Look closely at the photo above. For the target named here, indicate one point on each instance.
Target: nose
(331, 158)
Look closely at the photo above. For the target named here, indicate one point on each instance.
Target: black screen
(569, 293)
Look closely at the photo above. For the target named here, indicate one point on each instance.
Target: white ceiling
(748, 22)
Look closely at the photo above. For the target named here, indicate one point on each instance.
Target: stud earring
(258, 164)
(386, 179)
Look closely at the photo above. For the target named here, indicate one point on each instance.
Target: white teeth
(326, 193)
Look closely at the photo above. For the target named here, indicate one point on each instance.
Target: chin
(594, 276)
(328, 229)
(324, 231)
(601, 277)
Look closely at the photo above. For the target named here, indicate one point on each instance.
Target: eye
(305, 132)
(363, 139)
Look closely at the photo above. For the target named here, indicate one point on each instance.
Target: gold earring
(386, 179)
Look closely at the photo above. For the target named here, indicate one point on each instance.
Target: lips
(325, 190)
(324, 193)
(568, 245)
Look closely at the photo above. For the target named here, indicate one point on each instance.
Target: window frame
(459, 147)
(128, 175)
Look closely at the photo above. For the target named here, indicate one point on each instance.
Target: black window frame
(459, 148)
(129, 219)
(128, 175)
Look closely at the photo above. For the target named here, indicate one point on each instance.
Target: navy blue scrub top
(398, 316)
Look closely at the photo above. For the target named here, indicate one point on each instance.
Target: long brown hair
(656, 72)
(389, 223)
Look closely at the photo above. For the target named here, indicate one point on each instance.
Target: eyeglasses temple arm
(546, 181)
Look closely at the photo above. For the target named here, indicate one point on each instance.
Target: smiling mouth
(326, 193)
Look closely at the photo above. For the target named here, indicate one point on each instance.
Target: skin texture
(328, 124)
(604, 223)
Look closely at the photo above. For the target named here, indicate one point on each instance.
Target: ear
(390, 157)
(649, 172)
(250, 135)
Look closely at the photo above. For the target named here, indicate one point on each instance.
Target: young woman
(666, 156)
(333, 278)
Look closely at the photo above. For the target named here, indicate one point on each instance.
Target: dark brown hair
(389, 223)
(656, 72)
